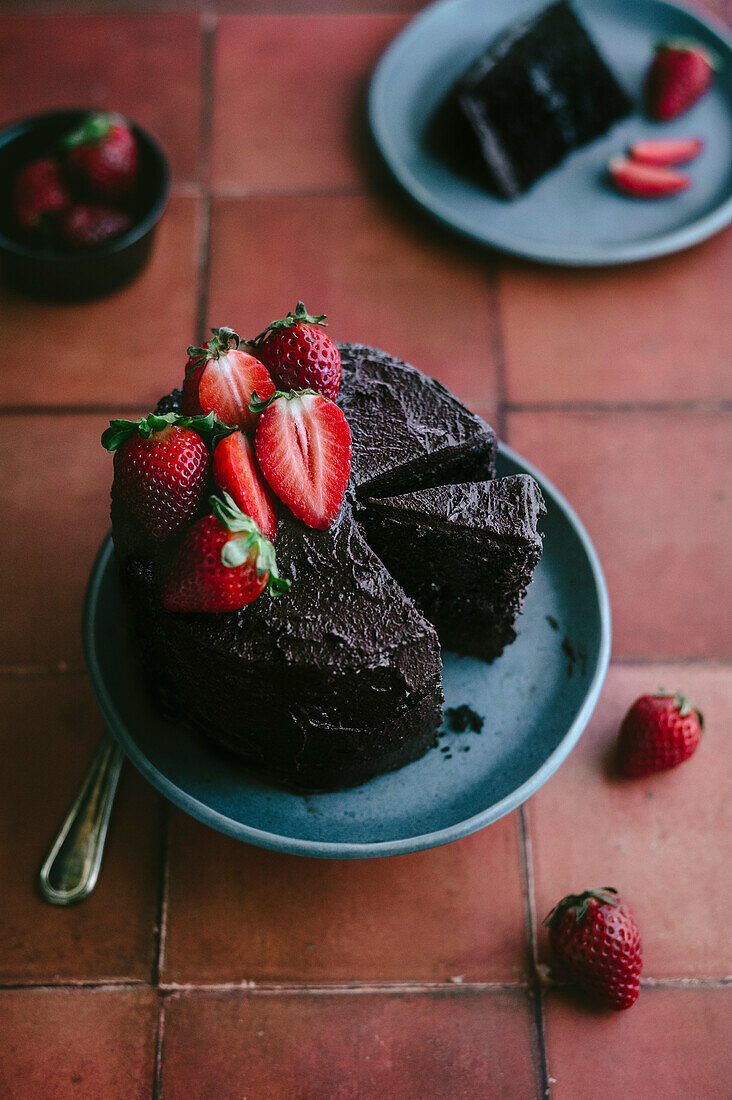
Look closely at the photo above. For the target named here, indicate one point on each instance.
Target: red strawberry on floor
(222, 563)
(666, 151)
(160, 469)
(299, 354)
(303, 444)
(680, 73)
(103, 156)
(222, 379)
(237, 471)
(39, 193)
(596, 944)
(646, 181)
(658, 732)
(87, 224)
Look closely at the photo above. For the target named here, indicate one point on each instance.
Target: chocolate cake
(540, 90)
(339, 679)
(408, 430)
(464, 553)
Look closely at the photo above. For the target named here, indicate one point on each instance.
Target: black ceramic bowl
(56, 275)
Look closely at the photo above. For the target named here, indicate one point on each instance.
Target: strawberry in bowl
(79, 221)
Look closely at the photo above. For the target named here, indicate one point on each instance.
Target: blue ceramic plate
(535, 702)
(571, 216)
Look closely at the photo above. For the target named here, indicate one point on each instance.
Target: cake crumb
(462, 718)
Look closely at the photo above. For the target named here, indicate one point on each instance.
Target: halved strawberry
(236, 470)
(222, 563)
(160, 468)
(666, 151)
(646, 181)
(303, 444)
(222, 379)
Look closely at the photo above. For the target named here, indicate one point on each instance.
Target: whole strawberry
(222, 563)
(103, 156)
(160, 468)
(299, 354)
(596, 944)
(85, 225)
(39, 194)
(658, 732)
(680, 73)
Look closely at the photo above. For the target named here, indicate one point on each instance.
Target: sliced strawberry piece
(222, 563)
(222, 379)
(303, 445)
(646, 181)
(666, 151)
(236, 470)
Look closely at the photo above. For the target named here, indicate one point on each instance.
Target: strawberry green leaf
(299, 317)
(237, 551)
(93, 129)
(210, 428)
(608, 895)
(224, 339)
(258, 406)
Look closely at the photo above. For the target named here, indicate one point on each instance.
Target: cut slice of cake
(539, 91)
(465, 553)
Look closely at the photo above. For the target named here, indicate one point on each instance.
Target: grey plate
(571, 216)
(536, 700)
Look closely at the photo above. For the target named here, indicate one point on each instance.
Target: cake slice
(538, 92)
(465, 553)
(408, 430)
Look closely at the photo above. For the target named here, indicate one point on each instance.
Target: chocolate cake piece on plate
(408, 429)
(540, 90)
(465, 554)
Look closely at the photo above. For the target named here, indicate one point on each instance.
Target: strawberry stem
(257, 406)
(92, 130)
(681, 703)
(210, 428)
(224, 339)
(236, 552)
(608, 895)
(299, 317)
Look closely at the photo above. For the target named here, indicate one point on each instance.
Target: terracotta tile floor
(203, 968)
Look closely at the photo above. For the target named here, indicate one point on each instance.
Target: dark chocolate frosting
(408, 430)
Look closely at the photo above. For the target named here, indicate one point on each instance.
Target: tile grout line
(209, 25)
(535, 990)
(163, 893)
(269, 989)
(157, 1085)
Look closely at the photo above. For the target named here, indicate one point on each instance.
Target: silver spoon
(70, 871)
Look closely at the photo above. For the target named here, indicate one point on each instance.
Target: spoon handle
(70, 871)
